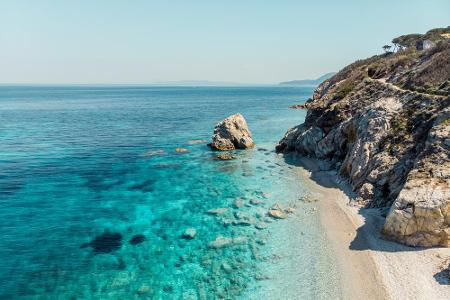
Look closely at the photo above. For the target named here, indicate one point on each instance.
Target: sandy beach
(372, 267)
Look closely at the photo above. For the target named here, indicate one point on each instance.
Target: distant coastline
(309, 82)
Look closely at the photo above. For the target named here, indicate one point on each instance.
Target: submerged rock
(226, 267)
(238, 203)
(232, 133)
(105, 243)
(196, 142)
(181, 150)
(225, 156)
(220, 242)
(145, 186)
(143, 289)
(243, 218)
(240, 240)
(217, 211)
(152, 153)
(137, 239)
(261, 225)
(255, 201)
(189, 233)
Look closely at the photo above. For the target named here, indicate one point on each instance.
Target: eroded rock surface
(232, 133)
(388, 132)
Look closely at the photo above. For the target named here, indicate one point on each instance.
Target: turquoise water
(84, 170)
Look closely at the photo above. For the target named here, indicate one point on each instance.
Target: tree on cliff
(386, 48)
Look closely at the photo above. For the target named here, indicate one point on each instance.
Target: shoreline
(371, 267)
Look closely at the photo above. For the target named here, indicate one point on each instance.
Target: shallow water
(84, 170)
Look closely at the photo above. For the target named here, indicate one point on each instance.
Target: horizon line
(160, 84)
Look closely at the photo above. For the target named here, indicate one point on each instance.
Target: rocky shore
(384, 124)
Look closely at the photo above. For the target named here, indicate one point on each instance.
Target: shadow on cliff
(368, 236)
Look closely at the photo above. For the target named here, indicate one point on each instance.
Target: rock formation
(384, 123)
(232, 133)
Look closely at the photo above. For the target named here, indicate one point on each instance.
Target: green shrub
(345, 88)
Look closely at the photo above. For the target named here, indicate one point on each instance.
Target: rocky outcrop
(388, 131)
(232, 133)
(421, 213)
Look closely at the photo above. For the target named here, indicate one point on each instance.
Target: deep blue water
(80, 163)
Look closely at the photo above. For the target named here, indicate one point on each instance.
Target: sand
(372, 267)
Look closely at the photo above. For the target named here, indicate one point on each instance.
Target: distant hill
(309, 82)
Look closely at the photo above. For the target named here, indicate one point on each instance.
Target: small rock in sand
(308, 199)
(277, 212)
(289, 210)
(189, 233)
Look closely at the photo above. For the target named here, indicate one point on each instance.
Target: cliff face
(384, 123)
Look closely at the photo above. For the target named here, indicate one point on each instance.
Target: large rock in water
(232, 133)
(387, 130)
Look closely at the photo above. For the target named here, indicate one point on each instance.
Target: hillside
(384, 124)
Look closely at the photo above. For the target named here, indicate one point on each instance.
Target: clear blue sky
(240, 41)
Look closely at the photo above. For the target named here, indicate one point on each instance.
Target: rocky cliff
(384, 123)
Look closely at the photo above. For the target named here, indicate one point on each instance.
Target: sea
(97, 203)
